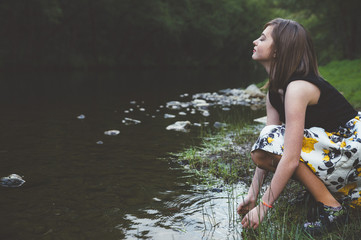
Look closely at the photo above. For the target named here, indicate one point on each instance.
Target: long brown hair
(293, 52)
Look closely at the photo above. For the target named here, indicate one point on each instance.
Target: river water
(128, 187)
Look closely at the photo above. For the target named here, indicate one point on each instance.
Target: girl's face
(262, 51)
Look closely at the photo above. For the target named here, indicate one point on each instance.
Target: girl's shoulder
(312, 78)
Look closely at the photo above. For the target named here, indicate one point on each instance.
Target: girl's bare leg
(303, 174)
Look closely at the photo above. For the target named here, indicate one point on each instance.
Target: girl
(312, 132)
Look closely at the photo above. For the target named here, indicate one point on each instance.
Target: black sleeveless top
(331, 111)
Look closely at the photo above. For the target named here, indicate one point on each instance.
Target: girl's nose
(255, 42)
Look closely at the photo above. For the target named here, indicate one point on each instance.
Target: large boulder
(181, 126)
(253, 91)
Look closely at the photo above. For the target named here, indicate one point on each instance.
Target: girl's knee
(265, 160)
(259, 157)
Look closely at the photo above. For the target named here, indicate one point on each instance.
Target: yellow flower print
(326, 158)
(356, 202)
(328, 134)
(357, 117)
(347, 188)
(269, 139)
(359, 172)
(343, 144)
(308, 144)
(312, 167)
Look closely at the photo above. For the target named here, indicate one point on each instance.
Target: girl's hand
(254, 217)
(246, 205)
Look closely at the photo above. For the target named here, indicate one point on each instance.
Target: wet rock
(182, 113)
(219, 125)
(129, 121)
(112, 132)
(205, 113)
(181, 126)
(99, 142)
(81, 116)
(169, 115)
(174, 105)
(217, 190)
(13, 180)
(253, 91)
(228, 97)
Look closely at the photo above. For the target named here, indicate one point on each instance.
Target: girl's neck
(267, 66)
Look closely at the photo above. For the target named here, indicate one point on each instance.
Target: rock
(169, 115)
(253, 91)
(202, 106)
(206, 113)
(217, 190)
(81, 116)
(13, 180)
(219, 125)
(129, 121)
(181, 126)
(112, 132)
(174, 105)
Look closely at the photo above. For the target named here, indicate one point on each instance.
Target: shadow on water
(126, 187)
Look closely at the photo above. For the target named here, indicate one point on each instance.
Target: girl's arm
(273, 117)
(249, 201)
(299, 95)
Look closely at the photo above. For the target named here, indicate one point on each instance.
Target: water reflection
(127, 187)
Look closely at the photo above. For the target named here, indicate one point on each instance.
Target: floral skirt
(335, 157)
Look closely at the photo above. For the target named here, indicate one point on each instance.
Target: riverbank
(225, 155)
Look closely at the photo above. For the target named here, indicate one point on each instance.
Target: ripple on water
(196, 214)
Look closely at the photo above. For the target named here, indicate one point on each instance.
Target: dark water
(126, 188)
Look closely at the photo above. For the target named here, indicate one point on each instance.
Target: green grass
(345, 75)
(224, 155)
